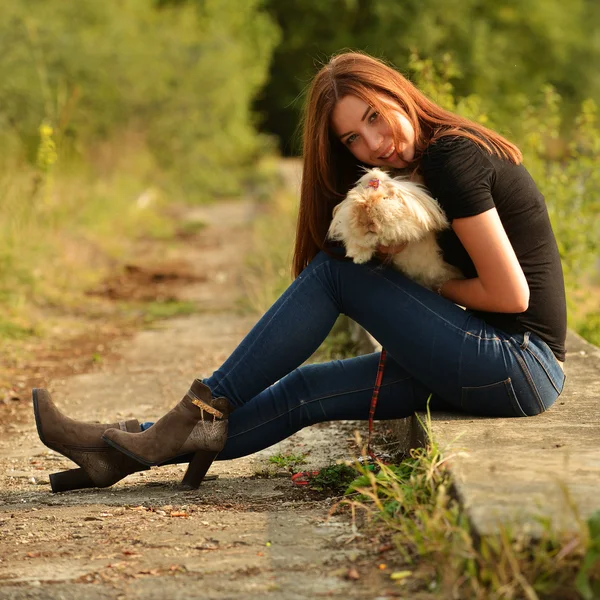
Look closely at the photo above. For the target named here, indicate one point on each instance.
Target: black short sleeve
(459, 176)
(467, 180)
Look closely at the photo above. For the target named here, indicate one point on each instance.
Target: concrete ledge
(517, 471)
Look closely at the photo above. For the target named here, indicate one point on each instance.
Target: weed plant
(288, 461)
(434, 539)
(61, 230)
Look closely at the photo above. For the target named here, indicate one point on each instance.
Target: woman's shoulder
(454, 154)
(451, 144)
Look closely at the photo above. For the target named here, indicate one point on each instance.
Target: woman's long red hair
(330, 170)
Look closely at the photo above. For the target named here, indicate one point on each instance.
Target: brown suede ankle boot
(101, 465)
(198, 424)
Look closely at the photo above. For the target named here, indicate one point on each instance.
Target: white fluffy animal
(382, 210)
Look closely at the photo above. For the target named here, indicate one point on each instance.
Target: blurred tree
(504, 49)
(183, 74)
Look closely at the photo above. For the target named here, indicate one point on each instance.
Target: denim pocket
(492, 400)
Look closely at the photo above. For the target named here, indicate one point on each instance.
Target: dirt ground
(239, 535)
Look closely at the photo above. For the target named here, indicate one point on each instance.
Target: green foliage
(591, 561)
(288, 461)
(589, 327)
(107, 112)
(13, 331)
(415, 504)
(186, 75)
(154, 311)
(504, 49)
(333, 479)
(339, 344)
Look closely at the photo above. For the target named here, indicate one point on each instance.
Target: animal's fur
(394, 211)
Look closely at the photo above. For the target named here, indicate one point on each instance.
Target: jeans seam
(528, 376)
(319, 399)
(550, 378)
(484, 339)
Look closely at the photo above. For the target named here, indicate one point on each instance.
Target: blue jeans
(434, 347)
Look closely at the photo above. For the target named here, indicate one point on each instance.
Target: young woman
(501, 356)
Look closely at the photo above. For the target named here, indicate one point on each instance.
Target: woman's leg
(464, 361)
(338, 390)
(433, 346)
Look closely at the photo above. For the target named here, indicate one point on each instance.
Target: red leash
(374, 398)
(303, 477)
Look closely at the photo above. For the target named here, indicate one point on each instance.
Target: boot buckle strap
(122, 425)
(205, 407)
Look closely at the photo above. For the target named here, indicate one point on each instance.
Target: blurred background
(112, 113)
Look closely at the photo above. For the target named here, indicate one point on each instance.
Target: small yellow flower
(46, 130)
(46, 154)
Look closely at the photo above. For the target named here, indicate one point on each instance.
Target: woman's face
(370, 139)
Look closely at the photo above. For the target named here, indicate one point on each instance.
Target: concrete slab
(517, 471)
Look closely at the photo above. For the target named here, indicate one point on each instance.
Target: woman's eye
(351, 138)
(373, 116)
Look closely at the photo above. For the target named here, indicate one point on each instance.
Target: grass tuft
(288, 461)
(414, 502)
(154, 311)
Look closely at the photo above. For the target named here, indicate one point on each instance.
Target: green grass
(288, 461)
(440, 552)
(590, 328)
(334, 480)
(190, 228)
(13, 331)
(154, 311)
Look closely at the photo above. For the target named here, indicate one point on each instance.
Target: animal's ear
(391, 189)
(335, 229)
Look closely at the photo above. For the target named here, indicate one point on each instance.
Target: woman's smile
(369, 137)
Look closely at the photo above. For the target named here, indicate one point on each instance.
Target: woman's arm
(500, 285)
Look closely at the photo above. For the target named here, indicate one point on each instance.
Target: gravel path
(238, 536)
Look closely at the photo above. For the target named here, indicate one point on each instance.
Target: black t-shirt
(466, 181)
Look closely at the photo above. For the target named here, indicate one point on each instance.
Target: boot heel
(197, 469)
(73, 479)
